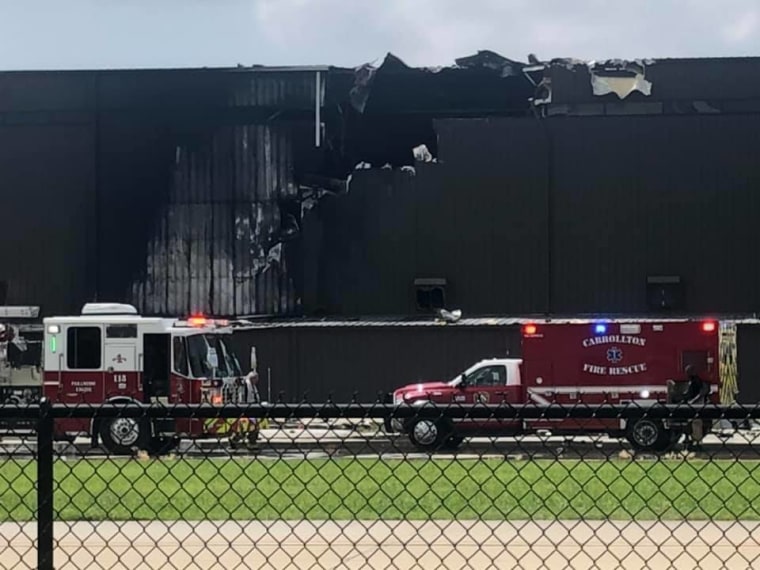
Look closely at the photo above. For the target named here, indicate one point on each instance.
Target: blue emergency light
(600, 328)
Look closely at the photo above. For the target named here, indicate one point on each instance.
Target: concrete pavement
(206, 545)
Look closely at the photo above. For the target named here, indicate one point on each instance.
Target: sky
(98, 34)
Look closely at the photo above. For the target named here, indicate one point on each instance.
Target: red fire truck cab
(575, 362)
(109, 353)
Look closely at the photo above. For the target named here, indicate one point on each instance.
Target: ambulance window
(180, 356)
(83, 348)
(121, 331)
(489, 376)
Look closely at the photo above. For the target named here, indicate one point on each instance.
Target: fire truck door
(156, 366)
(699, 359)
(120, 364)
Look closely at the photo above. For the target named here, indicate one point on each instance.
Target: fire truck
(111, 354)
(640, 362)
(20, 354)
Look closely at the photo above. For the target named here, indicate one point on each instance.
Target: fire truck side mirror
(463, 383)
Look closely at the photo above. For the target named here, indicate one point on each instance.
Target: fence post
(45, 487)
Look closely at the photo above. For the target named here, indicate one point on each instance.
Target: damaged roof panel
(485, 83)
(698, 79)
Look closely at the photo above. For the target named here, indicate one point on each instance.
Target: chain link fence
(379, 486)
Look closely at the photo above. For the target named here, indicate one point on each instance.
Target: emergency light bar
(19, 312)
(200, 321)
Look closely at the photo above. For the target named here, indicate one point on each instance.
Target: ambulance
(577, 362)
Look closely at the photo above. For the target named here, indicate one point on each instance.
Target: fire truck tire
(650, 435)
(122, 436)
(163, 445)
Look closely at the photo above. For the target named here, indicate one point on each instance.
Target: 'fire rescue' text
(615, 370)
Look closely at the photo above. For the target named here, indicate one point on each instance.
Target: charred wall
(561, 216)
(476, 219)
(171, 189)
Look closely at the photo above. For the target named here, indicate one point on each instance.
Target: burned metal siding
(343, 362)
(215, 244)
(655, 196)
(476, 219)
(169, 183)
(200, 162)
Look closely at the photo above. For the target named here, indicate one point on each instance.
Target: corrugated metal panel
(656, 196)
(341, 362)
(174, 89)
(46, 216)
(32, 91)
(287, 89)
(476, 219)
(214, 248)
(479, 322)
(748, 363)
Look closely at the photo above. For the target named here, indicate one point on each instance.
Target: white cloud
(743, 28)
(184, 33)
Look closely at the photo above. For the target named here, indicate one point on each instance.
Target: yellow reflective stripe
(222, 425)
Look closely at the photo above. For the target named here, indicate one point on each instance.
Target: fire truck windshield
(210, 356)
(228, 365)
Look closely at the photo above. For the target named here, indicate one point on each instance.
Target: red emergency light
(708, 326)
(530, 329)
(197, 321)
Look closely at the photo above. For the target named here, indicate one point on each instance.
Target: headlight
(644, 393)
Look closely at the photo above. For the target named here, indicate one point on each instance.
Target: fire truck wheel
(121, 436)
(649, 435)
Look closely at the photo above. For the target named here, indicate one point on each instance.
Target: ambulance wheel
(121, 436)
(427, 434)
(649, 435)
(453, 442)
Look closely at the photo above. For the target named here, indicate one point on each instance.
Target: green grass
(371, 489)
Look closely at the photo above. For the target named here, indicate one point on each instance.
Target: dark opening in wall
(430, 293)
(3, 292)
(665, 293)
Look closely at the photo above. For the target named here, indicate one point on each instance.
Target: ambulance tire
(123, 436)
(650, 435)
(453, 442)
(428, 434)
